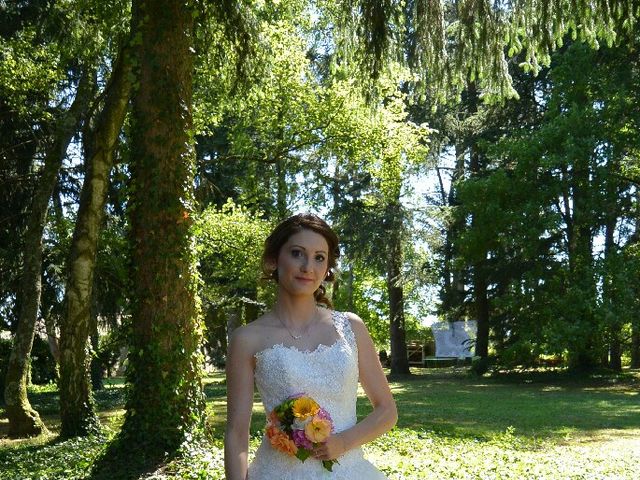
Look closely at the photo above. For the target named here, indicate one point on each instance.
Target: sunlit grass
(451, 426)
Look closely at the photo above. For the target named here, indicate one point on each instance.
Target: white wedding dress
(329, 374)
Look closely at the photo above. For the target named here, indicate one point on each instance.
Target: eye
(320, 258)
(295, 253)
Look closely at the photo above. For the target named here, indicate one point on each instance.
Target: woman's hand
(331, 449)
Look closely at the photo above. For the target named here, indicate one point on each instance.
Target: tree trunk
(480, 298)
(24, 420)
(585, 350)
(635, 344)
(608, 284)
(615, 354)
(399, 359)
(77, 409)
(581, 354)
(453, 290)
(481, 304)
(166, 401)
(635, 320)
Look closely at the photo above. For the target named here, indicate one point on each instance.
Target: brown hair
(290, 226)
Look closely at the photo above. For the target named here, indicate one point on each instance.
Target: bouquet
(297, 426)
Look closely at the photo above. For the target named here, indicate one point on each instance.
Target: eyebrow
(300, 246)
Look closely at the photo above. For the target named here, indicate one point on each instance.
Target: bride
(303, 346)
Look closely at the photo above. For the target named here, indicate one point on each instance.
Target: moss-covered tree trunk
(165, 401)
(23, 419)
(77, 410)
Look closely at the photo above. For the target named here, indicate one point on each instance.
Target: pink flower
(323, 414)
(301, 440)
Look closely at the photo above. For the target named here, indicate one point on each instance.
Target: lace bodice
(329, 374)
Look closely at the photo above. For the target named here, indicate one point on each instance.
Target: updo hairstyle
(289, 227)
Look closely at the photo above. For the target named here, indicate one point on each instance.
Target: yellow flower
(318, 430)
(305, 407)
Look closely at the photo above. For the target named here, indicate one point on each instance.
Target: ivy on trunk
(165, 400)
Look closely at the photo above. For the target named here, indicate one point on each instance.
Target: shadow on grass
(46, 400)
(123, 461)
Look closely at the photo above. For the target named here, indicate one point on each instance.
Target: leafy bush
(519, 354)
(43, 368)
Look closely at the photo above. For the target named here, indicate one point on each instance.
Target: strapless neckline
(320, 348)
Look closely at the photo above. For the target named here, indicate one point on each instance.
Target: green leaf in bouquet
(303, 454)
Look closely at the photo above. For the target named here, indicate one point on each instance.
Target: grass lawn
(452, 426)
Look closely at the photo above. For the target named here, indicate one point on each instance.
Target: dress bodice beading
(329, 374)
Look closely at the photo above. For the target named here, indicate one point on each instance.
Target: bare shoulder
(248, 336)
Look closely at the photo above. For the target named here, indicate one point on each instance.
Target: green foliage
(109, 348)
(450, 44)
(534, 215)
(364, 292)
(229, 244)
(69, 460)
(22, 76)
(42, 367)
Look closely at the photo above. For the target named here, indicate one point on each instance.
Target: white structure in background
(454, 339)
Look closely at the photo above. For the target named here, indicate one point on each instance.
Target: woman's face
(303, 262)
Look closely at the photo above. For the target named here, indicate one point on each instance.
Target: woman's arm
(384, 415)
(239, 404)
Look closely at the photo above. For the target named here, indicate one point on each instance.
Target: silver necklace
(303, 333)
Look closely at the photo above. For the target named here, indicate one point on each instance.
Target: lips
(303, 279)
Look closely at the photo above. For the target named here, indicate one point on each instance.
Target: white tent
(454, 339)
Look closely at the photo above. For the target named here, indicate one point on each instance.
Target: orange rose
(273, 418)
(318, 430)
(272, 431)
(280, 441)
